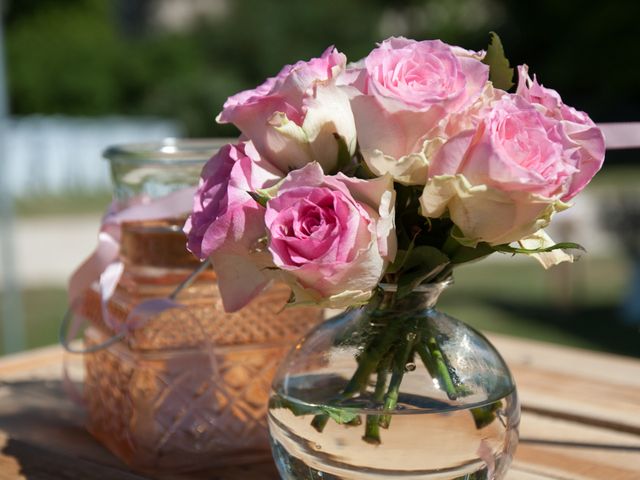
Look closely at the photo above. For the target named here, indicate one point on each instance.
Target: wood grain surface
(581, 420)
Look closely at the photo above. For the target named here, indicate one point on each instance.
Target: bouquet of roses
(395, 169)
(403, 164)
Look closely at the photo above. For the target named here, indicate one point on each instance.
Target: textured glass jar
(188, 387)
(454, 413)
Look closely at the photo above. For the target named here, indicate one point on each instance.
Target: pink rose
(333, 236)
(292, 119)
(502, 181)
(579, 131)
(405, 89)
(226, 222)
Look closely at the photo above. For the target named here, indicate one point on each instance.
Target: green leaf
(340, 415)
(563, 245)
(398, 262)
(459, 237)
(500, 72)
(483, 416)
(337, 414)
(344, 157)
(296, 408)
(422, 264)
(319, 421)
(467, 254)
(401, 257)
(260, 198)
(263, 195)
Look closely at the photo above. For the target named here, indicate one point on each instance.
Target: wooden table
(581, 420)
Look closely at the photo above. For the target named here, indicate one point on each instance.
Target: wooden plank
(39, 417)
(42, 437)
(43, 362)
(516, 474)
(580, 420)
(262, 471)
(23, 460)
(616, 369)
(565, 449)
(575, 384)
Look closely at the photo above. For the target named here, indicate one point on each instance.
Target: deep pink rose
(333, 236)
(292, 117)
(226, 222)
(502, 181)
(579, 132)
(405, 89)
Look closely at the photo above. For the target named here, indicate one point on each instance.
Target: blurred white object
(621, 135)
(47, 249)
(55, 154)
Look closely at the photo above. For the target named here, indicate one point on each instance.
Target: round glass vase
(187, 388)
(394, 389)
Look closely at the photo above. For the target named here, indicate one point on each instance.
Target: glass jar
(394, 389)
(157, 169)
(187, 387)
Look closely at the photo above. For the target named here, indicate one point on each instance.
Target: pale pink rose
(292, 118)
(579, 131)
(502, 181)
(403, 90)
(469, 118)
(226, 222)
(333, 236)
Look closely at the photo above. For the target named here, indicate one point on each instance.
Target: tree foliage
(97, 57)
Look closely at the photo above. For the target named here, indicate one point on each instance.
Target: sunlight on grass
(43, 311)
(71, 203)
(575, 305)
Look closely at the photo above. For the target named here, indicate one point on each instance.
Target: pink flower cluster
(282, 203)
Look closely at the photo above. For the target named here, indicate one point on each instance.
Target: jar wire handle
(71, 324)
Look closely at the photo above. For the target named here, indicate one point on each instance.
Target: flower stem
(444, 376)
(370, 360)
(372, 428)
(391, 398)
(372, 355)
(319, 422)
(400, 359)
(367, 364)
(436, 364)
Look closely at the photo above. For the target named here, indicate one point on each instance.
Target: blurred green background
(180, 59)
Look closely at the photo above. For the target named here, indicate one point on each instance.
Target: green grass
(70, 203)
(574, 305)
(616, 176)
(611, 178)
(43, 311)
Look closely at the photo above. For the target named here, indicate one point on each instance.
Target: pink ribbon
(621, 135)
(103, 265)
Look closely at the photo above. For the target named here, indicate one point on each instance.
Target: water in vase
(425, 439)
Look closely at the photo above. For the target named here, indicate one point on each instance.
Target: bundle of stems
(398, 337)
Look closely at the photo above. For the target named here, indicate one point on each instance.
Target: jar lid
(187, 151)
(156, 169)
